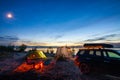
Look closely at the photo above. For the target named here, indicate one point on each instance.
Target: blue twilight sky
(59, 22)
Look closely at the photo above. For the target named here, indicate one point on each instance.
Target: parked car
(98, 58)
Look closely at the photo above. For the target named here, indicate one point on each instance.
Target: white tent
(64, 51)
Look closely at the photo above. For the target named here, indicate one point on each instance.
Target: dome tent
(37, 54)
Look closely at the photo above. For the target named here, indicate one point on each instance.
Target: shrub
(22, 48)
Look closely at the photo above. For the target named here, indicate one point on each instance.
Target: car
(98, 57)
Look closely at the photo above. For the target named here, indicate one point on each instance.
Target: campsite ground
(16, 69)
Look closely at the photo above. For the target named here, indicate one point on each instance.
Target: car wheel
(84, 68)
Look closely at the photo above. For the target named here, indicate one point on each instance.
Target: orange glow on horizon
(48, 44)
(18, 43)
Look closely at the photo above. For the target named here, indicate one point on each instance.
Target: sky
(59, 22)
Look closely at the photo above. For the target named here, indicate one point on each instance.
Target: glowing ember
(37, 66)
(23, 67)
(41, 65)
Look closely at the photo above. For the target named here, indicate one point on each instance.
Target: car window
(82, 52)
(91, 52)
(118, 51)
(104, 54)
(113, 54)
(98, 53)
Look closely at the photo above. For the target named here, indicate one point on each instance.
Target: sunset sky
(59, 22)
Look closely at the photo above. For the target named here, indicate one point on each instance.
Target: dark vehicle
(97, 58)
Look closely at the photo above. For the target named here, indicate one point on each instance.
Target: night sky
(59, 22)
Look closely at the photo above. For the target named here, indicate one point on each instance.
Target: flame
(41, 64)
(37, 66)
(24, 67)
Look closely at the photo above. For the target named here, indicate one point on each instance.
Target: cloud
(96, 39)
(110, 37)
(57, 37)
(13, 40)
(7, 40)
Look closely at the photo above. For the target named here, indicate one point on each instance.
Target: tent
(64, 51)
(37, 54)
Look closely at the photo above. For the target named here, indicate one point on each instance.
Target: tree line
(10, 48)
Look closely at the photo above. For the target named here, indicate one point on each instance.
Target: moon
(9, 15)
